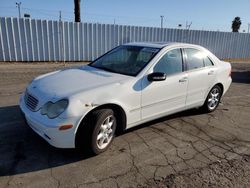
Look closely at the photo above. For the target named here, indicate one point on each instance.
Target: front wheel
(213, 99)
(104, 123)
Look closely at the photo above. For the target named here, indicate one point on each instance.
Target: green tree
(236, 24)
(77, 11)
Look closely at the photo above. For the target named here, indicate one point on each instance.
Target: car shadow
(241, 77)
(18, 143)
(24, 151)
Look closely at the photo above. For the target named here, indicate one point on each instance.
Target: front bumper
(48, 129)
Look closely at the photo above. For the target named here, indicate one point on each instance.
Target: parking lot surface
(188, 149)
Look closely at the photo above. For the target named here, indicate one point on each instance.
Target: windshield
(128, 60)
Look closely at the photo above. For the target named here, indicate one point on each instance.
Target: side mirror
(157, 76)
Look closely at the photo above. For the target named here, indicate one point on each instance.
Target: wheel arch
(221, 86)
(119, 112)
(216, 84)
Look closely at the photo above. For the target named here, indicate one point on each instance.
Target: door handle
(184, 79)
(210, 72)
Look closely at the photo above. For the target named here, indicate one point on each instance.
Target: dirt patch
(233, 173)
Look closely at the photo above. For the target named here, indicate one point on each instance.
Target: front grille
(30, 101)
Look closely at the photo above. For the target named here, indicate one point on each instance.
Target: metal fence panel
(43, 40)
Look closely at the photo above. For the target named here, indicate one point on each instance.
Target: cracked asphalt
(188, 149)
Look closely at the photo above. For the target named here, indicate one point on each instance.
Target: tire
(213, 99)
(96, 126)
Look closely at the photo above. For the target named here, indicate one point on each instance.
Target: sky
(203, 14)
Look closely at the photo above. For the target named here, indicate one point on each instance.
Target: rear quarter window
(207, 61)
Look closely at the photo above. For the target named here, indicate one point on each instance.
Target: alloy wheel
(105, 133)
(213, 99)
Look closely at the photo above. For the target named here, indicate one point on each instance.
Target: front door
(160, 98)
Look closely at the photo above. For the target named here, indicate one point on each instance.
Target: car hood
(68, 82)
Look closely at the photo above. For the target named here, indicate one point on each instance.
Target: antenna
(188, 25)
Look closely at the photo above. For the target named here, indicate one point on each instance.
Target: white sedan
(131, 84)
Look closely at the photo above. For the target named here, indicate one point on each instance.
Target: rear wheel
(213, 99)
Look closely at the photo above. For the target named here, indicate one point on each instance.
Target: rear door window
(195, 58)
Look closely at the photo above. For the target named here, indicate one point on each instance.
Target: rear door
(201, 76)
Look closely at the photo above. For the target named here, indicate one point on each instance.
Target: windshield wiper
(104, 68)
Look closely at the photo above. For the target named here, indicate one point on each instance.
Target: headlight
(53, 110)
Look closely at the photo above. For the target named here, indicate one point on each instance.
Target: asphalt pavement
(188, 149)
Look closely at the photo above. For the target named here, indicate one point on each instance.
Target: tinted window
(170, 63)
(194, 59)
(207, 62)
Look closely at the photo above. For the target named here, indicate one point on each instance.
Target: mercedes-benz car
(129, 85)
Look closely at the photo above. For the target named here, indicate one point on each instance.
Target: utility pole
(162, 21)
(60, 16)
(18, 5)
(61, 36)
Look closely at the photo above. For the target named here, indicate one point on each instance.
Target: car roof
(160, 44)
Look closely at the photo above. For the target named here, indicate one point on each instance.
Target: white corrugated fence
(43, 40)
